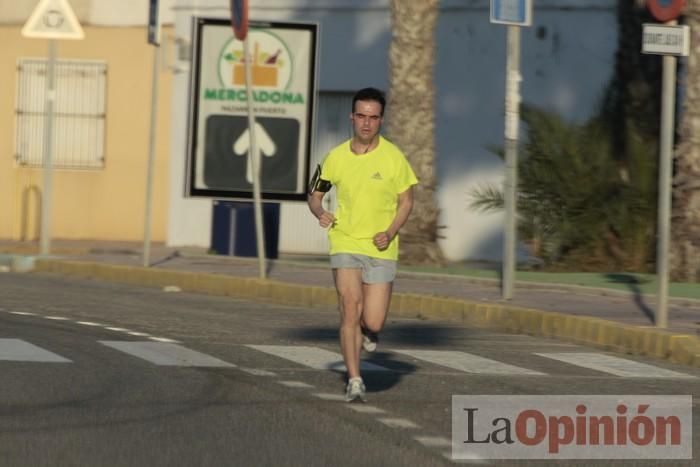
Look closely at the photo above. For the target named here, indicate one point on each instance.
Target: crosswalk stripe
(17, 350)
(166, 354)
(613, 365)
(398, 423)
(433, 441)
(468, 363)
(313, 357)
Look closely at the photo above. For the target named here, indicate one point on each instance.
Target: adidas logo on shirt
(377, 176)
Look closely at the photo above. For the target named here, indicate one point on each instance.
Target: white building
(567, 59)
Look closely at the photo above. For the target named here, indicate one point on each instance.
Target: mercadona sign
(283, 57)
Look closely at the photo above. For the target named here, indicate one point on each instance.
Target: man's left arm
(403, 210)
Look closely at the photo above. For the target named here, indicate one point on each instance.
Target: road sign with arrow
(283, 93)
(227, 157)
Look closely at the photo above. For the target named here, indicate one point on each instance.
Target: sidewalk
(612, 311)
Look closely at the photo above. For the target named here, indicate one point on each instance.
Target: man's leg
(348, 283)
(376, 299)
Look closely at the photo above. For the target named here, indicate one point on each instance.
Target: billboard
(283, 57)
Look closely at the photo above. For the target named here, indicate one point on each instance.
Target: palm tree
(411, 120)
(685, 217)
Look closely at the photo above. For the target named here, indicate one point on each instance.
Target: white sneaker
(355, 390)
(369, 340)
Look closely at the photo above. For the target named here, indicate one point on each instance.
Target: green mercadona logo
(271, 71)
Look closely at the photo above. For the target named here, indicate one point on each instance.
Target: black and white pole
(514, 14)
(670, 40)
(510, 185)
(668, 102)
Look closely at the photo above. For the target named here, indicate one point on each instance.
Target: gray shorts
(374, 270)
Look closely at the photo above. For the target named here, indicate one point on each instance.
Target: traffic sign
(661, 39)
(283, 88)
(53, 19)
(511, 12)
(239, 18)
(666, 10)
(227, 154)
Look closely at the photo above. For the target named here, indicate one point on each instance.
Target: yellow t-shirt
(367, 187)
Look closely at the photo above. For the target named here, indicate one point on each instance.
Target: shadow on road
(394, 336)
(632, 282)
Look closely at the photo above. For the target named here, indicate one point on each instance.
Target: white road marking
(89, 323)
(22, 313)
(398, 423)
(613, 365)
(329, 397)
(256, 372)
(313, 357)
(57, 318)
(468, 363)
(118, 329)
(433, 441)
(164, 339)
(138, 334)
(17, 350)
(364, 408)
(295, 384)
(166, 354)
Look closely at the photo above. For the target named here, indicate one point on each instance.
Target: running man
(374, 184)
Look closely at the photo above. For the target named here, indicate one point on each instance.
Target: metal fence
(79, 113)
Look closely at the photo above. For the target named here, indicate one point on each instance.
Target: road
(100, 374)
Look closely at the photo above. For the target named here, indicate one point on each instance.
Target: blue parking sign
(512, 12)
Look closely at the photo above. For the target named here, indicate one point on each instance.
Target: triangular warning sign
(53, 19)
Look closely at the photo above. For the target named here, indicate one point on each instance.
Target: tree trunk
(411, 120)
(634, 96)
(685, 218)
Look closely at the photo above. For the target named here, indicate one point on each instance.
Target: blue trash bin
(233, 229)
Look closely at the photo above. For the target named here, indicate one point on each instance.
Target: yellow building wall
(100, 204)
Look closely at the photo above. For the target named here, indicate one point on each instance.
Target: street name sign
(661, 39)
(283, 88)
(53, 19)
(511, 12)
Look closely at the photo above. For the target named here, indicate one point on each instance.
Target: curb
(609, 335)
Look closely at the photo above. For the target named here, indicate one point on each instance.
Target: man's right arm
(315, 202)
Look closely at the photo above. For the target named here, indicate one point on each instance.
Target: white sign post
(154, 39)
(668, 40)
(514, 14)
(51, 19)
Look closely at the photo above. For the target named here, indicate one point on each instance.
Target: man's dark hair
(369, 94)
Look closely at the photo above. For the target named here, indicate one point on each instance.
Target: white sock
(356, 378)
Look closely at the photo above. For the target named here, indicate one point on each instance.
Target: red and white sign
(666, 10)
(572, 427)
(53, 19)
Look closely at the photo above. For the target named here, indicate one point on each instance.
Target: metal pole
(513, 79)
(254, 157)
(45, 233)
(151, 157)
(668, 103)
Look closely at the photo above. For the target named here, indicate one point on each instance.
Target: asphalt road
(94, 374)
